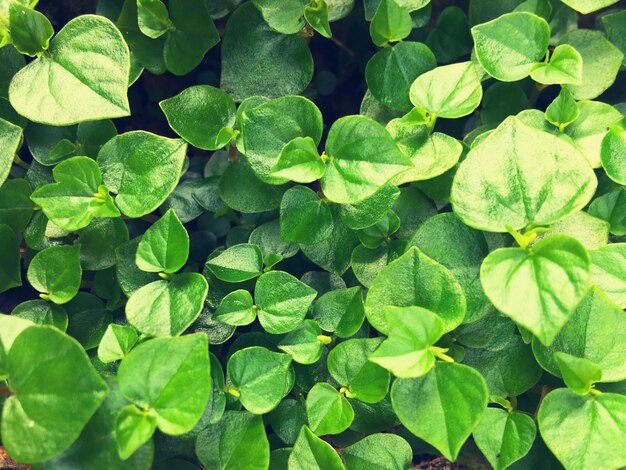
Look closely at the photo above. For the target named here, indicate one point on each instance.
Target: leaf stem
(440, 353)
(21, 163)
(324, 339)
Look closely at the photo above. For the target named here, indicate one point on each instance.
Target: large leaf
(56, 273)
(237, 263)
(83, 76)
(588, 6)
(312, 453)
(328, 411)
(164, 247)
(378, 451)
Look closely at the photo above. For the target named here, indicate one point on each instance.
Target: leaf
(202, 115)
(237, 263)
(588, 6)
(237, 441)
(164, 247)
(53, 399)
(504, 437)
(190, 37)
(289, 117)
(116, 343)
(363, 157)
(83, 77)
(538, 289)
(451, 39)
(153, 18)
(283, 301)
(415, 280)
(564, 67)
(299, 161)
(584, 430)
(77, 196)
(10, 268)
(10, 141)
(340, 311)
(504, 182)
(442, 407)
(171, 377)
(614, 26)
(601, 62)
(579, 374)
(142, 169)
(378, 451)
(88, 319)
(259, 61)
(304, 217)
(98, 242)
(328, 412)
(609, 271)
(167, 307)
(42, 313)
(449, 91)
(16, 207)
(591, 333)
(305, 343)
(316, 14)
(133, 428)
(30, 30)
(612, 152)
(56, 272)
(348, 364)
(312, 453)
(508, 46)
(563, 110)
(390, 72)
(610, 207)
(260, 377)
(236, 309)
(367, 212)
(287, 419)
(284, 16)
(407, 351)
(129, 277)
(390, 23)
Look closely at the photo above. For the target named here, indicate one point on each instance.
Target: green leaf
(304, 217)
(588, 6)
(261, 378)
(237, 263)
(610, 207)
(30, 30)
(316, 14)
(449, 91)
(563, 110)
(142, 169)
(12, 326)
(579, 374)
(164, 247)
(615, 27)
(538, 289)
(442, 407)
(367, 212)
(299, 161)
(53, 398)
(202, 115)
(593, 333)
(236, 309)
(390, 72)
(10, 141)
(564, 67)
(591, 231)
(504, 181)
(190, 37)
(237, 441)
(152, 18)
(312, 453)
(305, 343)
(88, 319)
(16, 207)
(56, 272)
(363, 157)
(116, 343)
(42, 313)
(287, 419)
(77, 196)
(129, 277)
(259, 61)
(133, 428)
(609, 271)
(348, 364)
(378, 451)
(283, 301)
(171, 377)
(612, 152)
(415, 280)
(584, 430)
(451, 39)
(10, 268)
(340, 311)
(504, 437)
(283, 16)
(327, 411)
(83, 77)
(390, 23)
(508, 46)
(289, 117)
(167, 307)
(98, 242)
(408, 352)
(601, 62)
(267, 237)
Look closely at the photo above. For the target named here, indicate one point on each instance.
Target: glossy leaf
(390, 23)
(564, 67)
(299, 161)
(328, 411)
(312, 453)
(56, 272)
(612, 152)
(164, 247)
(237, 263)
(116, 343)
(236, 308)
(579, 374)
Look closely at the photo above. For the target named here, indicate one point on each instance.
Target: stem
(21, 163)
(232, 154)
(440, 353)
(232, 391)
(324, 339)
(346, 392)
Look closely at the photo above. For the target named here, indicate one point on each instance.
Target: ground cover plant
(313, 234)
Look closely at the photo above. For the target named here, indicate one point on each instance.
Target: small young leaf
(299, 161)
(236, 309)
(579, 374)
(261, 378)
(56, 272)
(305, 343)
(133, 428)
(612, 152)
(283, 301)
(609, 271)
(563, 110)
(327, 411)
(117, 341)
(304, 217)
(30, 30)
(340, 311)
(152, 18)
(312, 453)
(237, 263)
(284, 16)
(564, 67)
(164, 247)
(367, 212)
(316, 14)
(390, 23)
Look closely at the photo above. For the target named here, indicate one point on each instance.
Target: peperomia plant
(313, 234)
